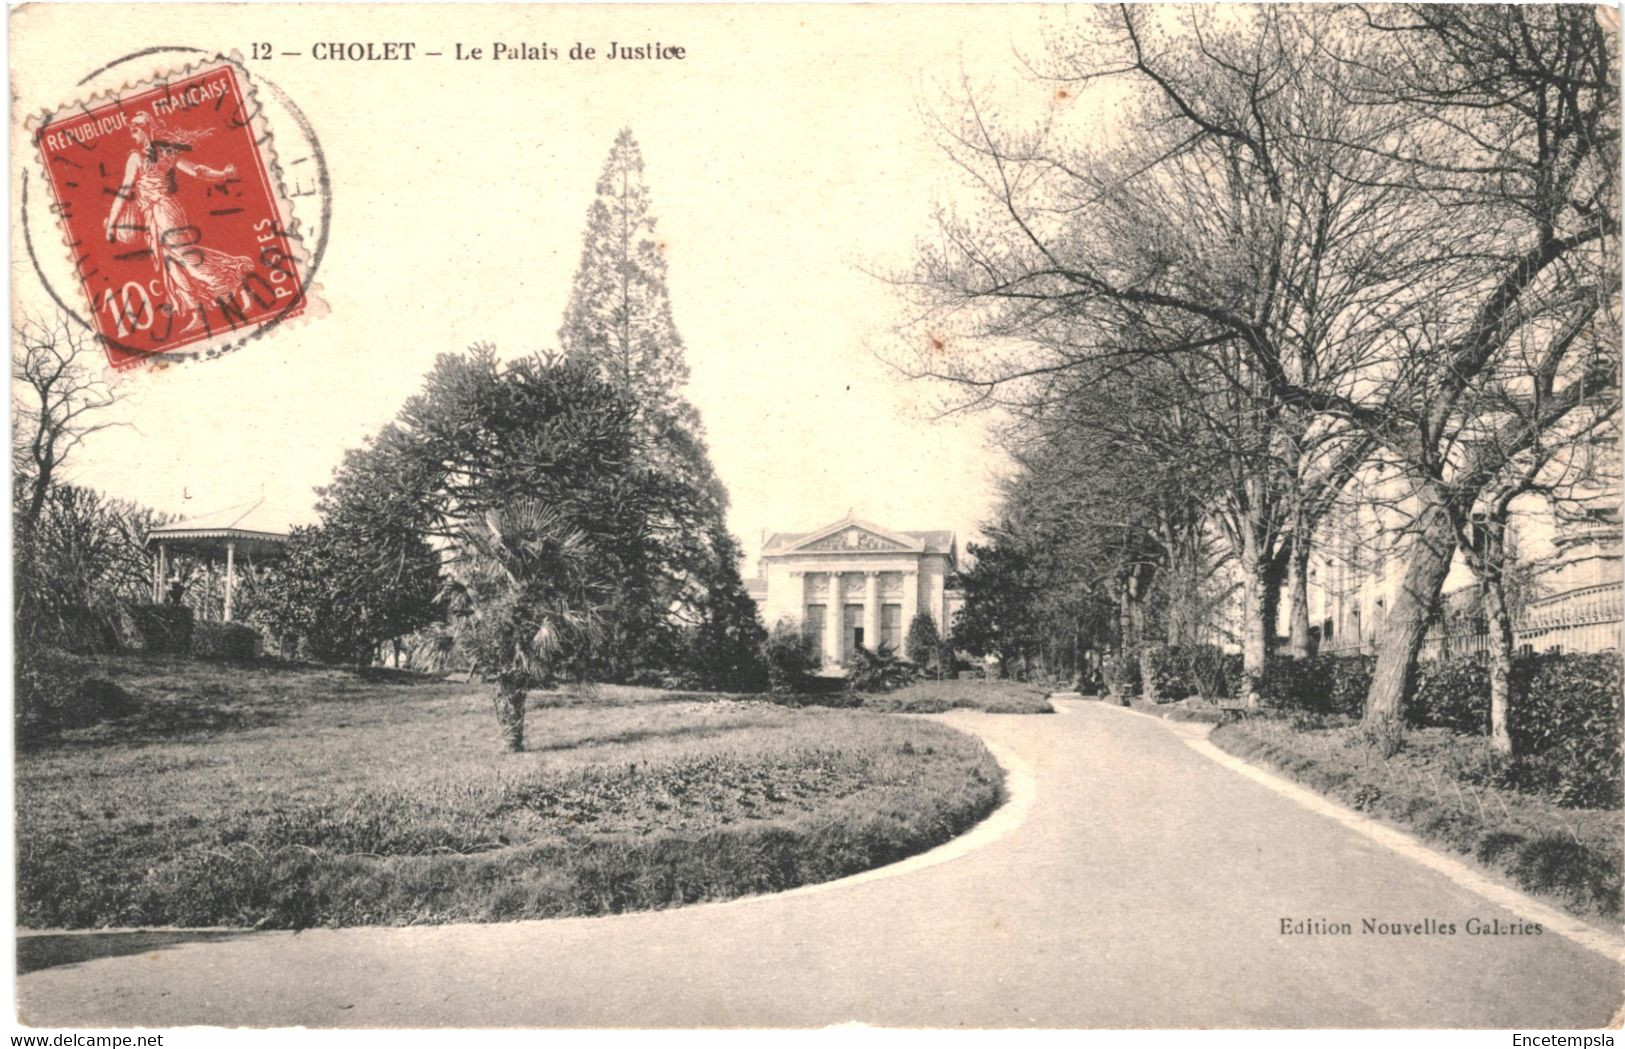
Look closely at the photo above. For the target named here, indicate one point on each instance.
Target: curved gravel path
(1133, 883)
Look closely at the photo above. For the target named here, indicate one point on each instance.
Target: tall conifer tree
(619, 317)
(619, 321)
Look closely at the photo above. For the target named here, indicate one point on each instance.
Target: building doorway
(851, 631)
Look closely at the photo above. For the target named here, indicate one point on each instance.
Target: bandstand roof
(252, 527)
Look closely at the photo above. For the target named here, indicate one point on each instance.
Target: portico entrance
(851, 631)
(854, 585)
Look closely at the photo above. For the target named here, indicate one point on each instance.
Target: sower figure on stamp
(193, 276)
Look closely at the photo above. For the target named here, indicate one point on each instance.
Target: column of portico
(772, 613)
(833, 620)
(871, 611)
(911, 600)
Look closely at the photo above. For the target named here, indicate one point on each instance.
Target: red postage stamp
(169, 201)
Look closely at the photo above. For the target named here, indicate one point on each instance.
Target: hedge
(155, 628)
(1181, 671)
(224, 641)
(1168, 681)
(1565, 719)
(1323, 685)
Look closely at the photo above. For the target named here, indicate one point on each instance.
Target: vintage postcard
(930, 516)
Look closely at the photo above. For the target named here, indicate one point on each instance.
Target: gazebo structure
(248, 530)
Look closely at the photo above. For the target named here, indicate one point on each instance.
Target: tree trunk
(1257, 611)
(1430, 555)
(1491, 566)
(1136, 606)
(1136, 603)
(1303, 642)
(1500, 654)
(1130, 623)
(510, 708)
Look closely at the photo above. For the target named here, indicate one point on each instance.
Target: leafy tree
(525, 588)
(343, 596)
(791, 658)
(486, 436)
(724, 650)
(81, 557)
(1000, 595)
(923, 643)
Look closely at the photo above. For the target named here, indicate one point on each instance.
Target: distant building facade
(854, 583)
(1574, 606)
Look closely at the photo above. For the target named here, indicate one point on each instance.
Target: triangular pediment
(849, 536)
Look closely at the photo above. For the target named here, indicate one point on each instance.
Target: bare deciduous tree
(1245, 231)
(1515, 142)
(58, 399)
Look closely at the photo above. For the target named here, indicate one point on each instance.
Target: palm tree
(522, 592)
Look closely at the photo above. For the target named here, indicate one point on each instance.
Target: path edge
(1406, 845)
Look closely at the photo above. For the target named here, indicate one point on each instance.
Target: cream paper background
(787, 154)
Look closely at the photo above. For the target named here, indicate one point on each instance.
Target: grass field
(276, 796)
(1570, 856)
(1184, 710)
(932, 697)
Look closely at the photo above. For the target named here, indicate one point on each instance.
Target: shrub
(1205, 670)
(722, 656)
(923, 644)
(1122, 672)
(790, 658)
(155, 628)
(1453, 694)
(878, 671)
(1181, 671)
(1235, 675)
(52, 694)
(1585, 877)
(224, 641)
(1567, 712)
(1167, 679)
(1335, 685)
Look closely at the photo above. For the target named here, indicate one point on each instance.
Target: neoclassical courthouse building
(855, 583)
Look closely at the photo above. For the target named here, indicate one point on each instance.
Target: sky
(788, 157)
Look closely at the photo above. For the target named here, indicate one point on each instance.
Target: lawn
(1193, 709)
(932, 697)
(277, 796)
(1435, 787)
